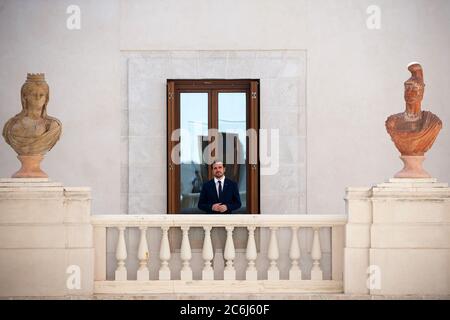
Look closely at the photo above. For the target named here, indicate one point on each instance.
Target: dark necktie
(220, 189)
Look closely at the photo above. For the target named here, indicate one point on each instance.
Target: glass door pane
(193, 170)
(232, 114)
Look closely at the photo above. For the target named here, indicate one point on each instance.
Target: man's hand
(216, 207)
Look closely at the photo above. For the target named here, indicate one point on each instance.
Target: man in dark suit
(219, 195)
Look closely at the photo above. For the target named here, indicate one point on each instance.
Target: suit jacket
(230, 196)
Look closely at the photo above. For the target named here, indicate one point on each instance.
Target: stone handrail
(237, 220)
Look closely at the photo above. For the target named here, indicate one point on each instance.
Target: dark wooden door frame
(213, 87)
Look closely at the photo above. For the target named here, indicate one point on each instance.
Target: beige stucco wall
(354, 78)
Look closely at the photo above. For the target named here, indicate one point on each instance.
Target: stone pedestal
(398, 238)
(412, 168)
(46, 239)
(31, 167)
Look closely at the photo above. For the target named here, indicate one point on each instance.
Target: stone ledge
(418, 194)
(358, 193)
(218, 287)
(77, 193)
(24, 180)
(280, 296)
(417, 187)
(17, 184)
(412, 180)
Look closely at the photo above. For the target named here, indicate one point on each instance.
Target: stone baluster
(294, 254)
(186, 255)
(208, 255)
(229, 255)
(251, 255)
(121, 256)
(273, 254)
(316, 255)
(143, 256)
(164, 255)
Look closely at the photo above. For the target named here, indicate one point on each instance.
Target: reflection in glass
(193, 125)
(232, 129)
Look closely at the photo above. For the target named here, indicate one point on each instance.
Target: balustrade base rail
(134, 287)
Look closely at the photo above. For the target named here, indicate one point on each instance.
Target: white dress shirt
(216, 182)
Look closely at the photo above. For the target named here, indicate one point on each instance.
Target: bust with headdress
(413, 131)
(32, 133)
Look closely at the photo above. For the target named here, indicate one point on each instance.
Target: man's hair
(217, 161)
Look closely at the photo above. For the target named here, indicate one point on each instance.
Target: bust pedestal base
(31, 167)
(412, 168)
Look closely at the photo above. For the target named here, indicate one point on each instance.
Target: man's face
(36, 97)
(218, 170)
(413, 92)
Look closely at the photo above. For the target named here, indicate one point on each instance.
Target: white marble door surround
(282, 76)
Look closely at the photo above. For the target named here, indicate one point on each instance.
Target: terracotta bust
(413, 131)
(32, 133)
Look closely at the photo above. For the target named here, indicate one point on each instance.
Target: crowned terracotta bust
(32, 133)
(413, 131)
